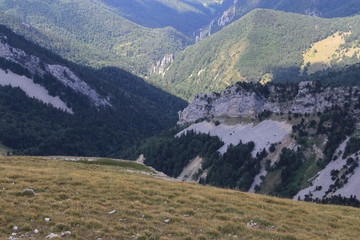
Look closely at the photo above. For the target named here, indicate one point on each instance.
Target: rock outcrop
(61, 73)
(246, 100)
(162, 65)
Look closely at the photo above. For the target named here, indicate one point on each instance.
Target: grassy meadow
(78, 197)
(321, 54)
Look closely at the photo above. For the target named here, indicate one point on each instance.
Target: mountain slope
(263, 45)
(52, 106)
(185, 16)
(320, 8)
(296, 140)
(89, 33)
(109, 202)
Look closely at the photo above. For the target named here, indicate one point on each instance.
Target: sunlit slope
(81, 198)
(263, 44)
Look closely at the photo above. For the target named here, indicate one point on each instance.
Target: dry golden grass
(77, 197)
(323, 52)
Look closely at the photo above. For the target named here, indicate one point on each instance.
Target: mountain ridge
(264, 45)
(97, 99)
(319, 8)
(89, 33)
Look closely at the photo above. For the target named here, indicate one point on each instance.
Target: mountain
(262, 46)
(103, 198)
(52, 106)
(88, 32)
(297, 141)
(185, 16)
(319, 8)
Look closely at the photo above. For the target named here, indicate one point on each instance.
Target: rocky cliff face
(162, 65)
(61, 73)
(244, 100)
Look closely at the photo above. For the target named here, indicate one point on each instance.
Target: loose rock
(52, 235)
(112, 212)
(65, 234)
(29, 192)
(252, 224)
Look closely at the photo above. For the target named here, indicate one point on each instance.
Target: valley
(239, 119)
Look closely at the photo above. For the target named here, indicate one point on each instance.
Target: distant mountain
(50, 106)
(88, 32)
(319, 8)
(262, 46)
(186, 16)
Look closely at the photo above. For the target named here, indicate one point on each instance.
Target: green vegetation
(352, 146)
(185, 16)
(289, 162)
(321, 8)
(236, 169)
(87, 32)
(261, 43)
(341, 125)
(30, 127)
(170, 154)
(78, 198)
(342, 76)
(118, 163)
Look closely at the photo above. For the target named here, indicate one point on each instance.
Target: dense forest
(235, 169)
(187, 17)
(87, 32)
(31, 127)
(321, 8)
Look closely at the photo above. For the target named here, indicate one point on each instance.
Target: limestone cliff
(244, 100)
(162, 65)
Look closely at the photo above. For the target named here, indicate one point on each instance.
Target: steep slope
(89, 33)
(264, 45)
(52, 106)
(185, 16)
(110, 202)
(274, 139)
(320, 8)
(346, 76)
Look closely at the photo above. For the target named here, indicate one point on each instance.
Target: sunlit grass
(320, 55)
(78, 198)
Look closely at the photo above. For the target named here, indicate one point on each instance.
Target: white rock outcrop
(38, 67)
(239, 101)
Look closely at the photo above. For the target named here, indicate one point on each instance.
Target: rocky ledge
(249, 100)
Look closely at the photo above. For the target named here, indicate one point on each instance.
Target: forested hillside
(297, 141)
(132, 108)
(320, 8)
(185, 16)
(344, 76)
(262, 46)
(87, 32)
